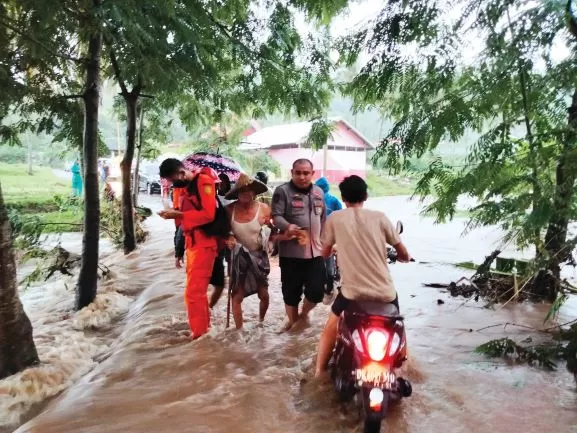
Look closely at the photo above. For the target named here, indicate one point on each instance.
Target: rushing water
(153, 378)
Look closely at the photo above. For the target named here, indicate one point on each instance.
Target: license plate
(376, 375)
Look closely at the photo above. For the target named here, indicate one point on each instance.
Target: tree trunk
(135, 180)
(131, 100)
(566, 174)
(17, 349)
(136, 184)
(80, 144)
(88, 276)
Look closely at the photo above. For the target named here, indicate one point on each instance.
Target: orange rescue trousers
(199, 263)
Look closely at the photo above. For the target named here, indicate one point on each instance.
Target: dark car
(149, 184)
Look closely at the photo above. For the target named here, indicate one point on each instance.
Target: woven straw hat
(246, 183)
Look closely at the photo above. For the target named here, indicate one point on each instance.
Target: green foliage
(513, 94)
(502, 181)
(70, 128)
(320, 133)
(467, 265)
(556, 306)
(27, 239)
(225, 139)
(215, 58)
(111, 222)
(39, 55)
(542, 355)
(26, 230)
(9, 135)
(251, 162)
(41, 148)
(562, 346)
(201, 59)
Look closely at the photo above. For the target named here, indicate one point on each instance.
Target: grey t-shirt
(304, 209)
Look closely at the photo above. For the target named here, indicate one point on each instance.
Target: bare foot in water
(287, 326)
(302, 323)
(321, 375)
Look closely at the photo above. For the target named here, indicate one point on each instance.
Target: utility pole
(325, 159)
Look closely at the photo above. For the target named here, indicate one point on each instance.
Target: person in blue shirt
(76, 179)
(331, 204)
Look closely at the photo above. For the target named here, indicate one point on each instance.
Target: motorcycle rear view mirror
(400, 227)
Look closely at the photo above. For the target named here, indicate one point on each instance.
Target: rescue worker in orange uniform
(199, 211)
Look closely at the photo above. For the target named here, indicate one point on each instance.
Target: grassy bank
(382, 185)
(34, 194)
(459, 213)
(59, 221)
(20, 188)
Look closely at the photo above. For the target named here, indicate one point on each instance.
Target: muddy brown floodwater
(154, 379)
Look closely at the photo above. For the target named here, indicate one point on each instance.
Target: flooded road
(153, 378)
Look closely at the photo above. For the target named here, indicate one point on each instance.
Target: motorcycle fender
(371, 413)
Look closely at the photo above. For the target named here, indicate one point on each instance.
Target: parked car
(148, 183)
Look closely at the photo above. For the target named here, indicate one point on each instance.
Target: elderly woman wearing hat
(250, 222)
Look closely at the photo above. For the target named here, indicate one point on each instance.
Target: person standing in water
(332, 204)
(266, 198)
(76, 179)
(249, 220)
(217, 280)
(202, 226)
(298, 210)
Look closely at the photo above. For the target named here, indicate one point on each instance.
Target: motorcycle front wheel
(372, 426)
(374, 419)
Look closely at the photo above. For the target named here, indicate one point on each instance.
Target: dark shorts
(341, 304)
(217, 277)
(300, 276)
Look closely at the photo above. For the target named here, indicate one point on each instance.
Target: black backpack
(220, 226)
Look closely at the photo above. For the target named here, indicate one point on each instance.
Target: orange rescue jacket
(194, 218)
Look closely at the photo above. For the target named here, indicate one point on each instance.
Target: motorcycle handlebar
(392, 256)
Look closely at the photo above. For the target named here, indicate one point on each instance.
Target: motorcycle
(370, 347)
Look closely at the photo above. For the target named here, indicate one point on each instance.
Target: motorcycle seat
(371, 308)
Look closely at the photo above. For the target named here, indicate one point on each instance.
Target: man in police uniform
(298, 210)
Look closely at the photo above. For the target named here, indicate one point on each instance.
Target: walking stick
(228, 309)
(229, 300)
